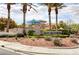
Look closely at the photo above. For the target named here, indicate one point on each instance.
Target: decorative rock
(2, 46)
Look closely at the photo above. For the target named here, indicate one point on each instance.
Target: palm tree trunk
(24, 31)
(56, 11)
(50, 20)
(49, 13)
(8, 7)
(24, 17)
(56, 21)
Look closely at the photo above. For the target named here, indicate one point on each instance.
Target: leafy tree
(2, 26)
(3, 23)
(75, 27)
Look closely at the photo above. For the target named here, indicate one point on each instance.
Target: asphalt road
(7, 52)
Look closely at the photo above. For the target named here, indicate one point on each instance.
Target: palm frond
(34, 9)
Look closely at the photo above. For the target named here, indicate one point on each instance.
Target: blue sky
(67, 14)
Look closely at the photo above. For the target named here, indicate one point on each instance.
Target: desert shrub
(74, 41)
(33, 39)
(48, 39)
(57, 42)
(31, 32)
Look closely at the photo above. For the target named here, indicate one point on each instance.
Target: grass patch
(49, 36)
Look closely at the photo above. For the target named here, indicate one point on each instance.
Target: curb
(32, 53)
(74, 47)
(36, 52)
(45, 53)
(4, 48)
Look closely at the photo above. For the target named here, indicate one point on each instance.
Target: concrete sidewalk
(38, 50)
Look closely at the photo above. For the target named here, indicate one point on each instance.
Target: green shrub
(57, 42)
(39, 36)
(11, 35)
(48, 39)
(60, 35)
(3, 35)
(66, 32)
(31, 32)
(20, 35)
(73, 32)
(50, 36)
(7, 35)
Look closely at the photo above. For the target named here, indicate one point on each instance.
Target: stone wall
(20, 30)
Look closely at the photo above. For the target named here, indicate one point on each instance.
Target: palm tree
(24, 14)
(56, 6)
(49, 13)
(8, 8)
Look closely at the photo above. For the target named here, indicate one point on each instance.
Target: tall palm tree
(8, 8)
(24, 14)
(56, 6)
(49, 13)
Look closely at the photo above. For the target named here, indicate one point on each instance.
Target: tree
(49, 12)
(56, 6)
(3, 23)
(24, 14)
(8, 8)
(75, 27)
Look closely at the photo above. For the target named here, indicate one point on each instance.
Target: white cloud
(72, 11)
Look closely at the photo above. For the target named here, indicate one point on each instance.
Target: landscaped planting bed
(43, 42)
